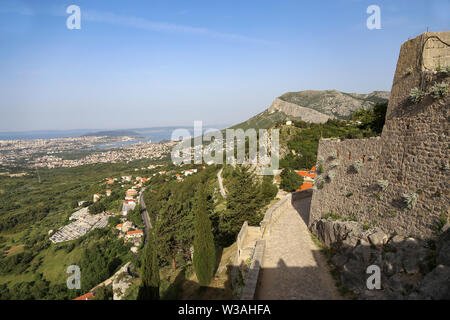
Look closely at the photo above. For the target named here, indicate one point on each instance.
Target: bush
(416, 95)
(331, 174)
(410, 200)
(439, 90)
(269, 190)
(290, 180)
(320, 169)
(383, 184)
(319, 184)
(334, 164)
(357, 165)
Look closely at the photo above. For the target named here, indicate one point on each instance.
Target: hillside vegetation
(339, 105)
(300, 141)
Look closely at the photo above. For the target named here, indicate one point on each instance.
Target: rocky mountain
(318, 106)
(314, 106)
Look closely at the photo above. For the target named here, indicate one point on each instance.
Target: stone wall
(253, 274)
(272, 214)
(412, 154)
(270, 218)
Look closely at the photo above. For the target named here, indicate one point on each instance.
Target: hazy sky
(155, 63)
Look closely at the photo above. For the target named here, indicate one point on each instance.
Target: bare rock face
(294, 110)
(317, 105)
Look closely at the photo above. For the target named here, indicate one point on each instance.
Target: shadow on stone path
(293, 266)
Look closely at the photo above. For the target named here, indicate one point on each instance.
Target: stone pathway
(293, 266)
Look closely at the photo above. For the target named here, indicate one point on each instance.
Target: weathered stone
(436, 284)
(339, 260)
(353, 275)
(443, 248)
(340, 233)
(408, 154)
(378, 238)
(413, 259)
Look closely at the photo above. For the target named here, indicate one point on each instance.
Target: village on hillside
(83, 222)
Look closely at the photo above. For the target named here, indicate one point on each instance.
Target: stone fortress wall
(412, 154)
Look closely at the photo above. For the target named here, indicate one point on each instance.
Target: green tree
(149, 289)
(104, 293)
(243, 204)
(290, 180)
(268, 189)
(204, 250)
(97, 207)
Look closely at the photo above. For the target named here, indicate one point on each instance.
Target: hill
(314, 106)
(332, 103)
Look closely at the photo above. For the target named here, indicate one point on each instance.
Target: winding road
(222, 189)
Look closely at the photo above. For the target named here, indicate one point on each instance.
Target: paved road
(145, 216)
(293, 266)
(222, 189)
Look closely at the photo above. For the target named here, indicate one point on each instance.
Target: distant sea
(155, 134)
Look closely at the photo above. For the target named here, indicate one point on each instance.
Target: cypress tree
(149, 289)
(204, 250)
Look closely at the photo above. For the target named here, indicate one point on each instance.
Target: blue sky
(157, 63)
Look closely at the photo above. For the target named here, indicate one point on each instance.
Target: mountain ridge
(316, 106)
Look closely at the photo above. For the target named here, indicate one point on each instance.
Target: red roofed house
(134, 234)
(131, 192)
(308, 178)
(87, 296)
(96, 197)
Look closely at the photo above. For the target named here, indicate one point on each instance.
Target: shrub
(441, 222)
(290, 180)
(320, 169)
(357, 165)
(348, 195)
(410, 200)
(333, 155)
(383, 184)
(333, 216)
(331, 175)
(319, 184)
(416, 95)
(334, 164)
(439, 90)
(409, 70)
